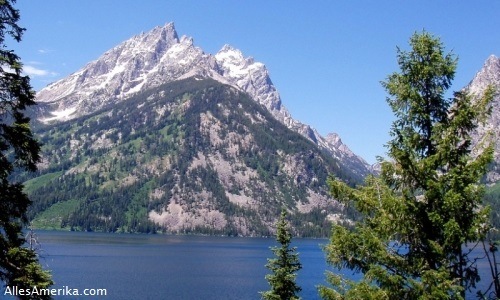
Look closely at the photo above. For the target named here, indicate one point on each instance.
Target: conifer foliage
(18, 149)
(284, 266)
(426, 205)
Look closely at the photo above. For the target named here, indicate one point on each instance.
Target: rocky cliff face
(489, 75)
(160, 56)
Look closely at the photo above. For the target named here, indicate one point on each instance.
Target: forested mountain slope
(192, 155)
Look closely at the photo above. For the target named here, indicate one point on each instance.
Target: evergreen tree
(284, 266)
(426, 205)
(18, 149)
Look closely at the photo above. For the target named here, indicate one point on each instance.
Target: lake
(139, 266)
(143, 266)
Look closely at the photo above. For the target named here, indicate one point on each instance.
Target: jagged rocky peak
(160, 37)
(149, 46)
(489, 75)
(334, 139)
(146, 60)
(135, 56)
(159, 56)
(250, 76)
(231, 57)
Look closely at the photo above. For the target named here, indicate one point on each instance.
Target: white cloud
(45, 51)
(33, 71)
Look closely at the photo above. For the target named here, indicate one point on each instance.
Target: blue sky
(326, 58)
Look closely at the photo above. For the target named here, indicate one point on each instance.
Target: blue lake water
(173, 267)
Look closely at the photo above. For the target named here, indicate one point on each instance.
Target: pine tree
(284, 266)
(426, 205)
(18, 149)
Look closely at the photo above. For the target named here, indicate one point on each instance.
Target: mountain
(489, 75)
(157, 135)
(160, 56)
(191, 155)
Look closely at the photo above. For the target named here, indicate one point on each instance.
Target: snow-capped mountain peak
(234, 63)
(160, 56)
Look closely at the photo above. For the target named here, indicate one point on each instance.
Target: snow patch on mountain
(61, 115)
